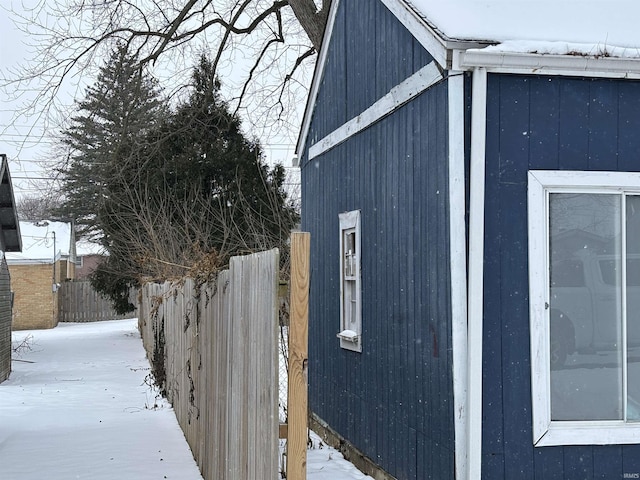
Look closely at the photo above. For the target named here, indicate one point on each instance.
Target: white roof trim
(437, 46)
(317, 78)
(427, 37)
(433, 40)
(467, 55)
(572, 65)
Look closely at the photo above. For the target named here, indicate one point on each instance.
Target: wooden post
(298, 341)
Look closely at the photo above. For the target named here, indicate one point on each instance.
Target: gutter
(496, 61)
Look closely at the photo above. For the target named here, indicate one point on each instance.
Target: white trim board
(458, 265)
(317, 77)
(438, 47)
(547, 432)
(399, 95)
(476, 270)
(435, 42)
(432, 42)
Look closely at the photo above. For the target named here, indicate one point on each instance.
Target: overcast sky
(22, 142)
(28, 144)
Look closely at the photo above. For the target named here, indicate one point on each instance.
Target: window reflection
(632, 216)
(585, 307)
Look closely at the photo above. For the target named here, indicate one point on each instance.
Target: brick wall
(35, 304)
(5, 321)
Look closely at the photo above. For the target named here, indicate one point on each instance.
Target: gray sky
(28, 142)
(21, 141)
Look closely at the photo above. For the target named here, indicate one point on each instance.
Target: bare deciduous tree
(37, 207)
(154, 236)
(257, 46)
(168, 238)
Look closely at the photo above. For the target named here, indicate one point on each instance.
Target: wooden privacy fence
(214, 347)
(79, 302)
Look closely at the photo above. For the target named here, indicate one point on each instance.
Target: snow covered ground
(77, 406)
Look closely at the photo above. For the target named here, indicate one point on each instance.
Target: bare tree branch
(258, 44)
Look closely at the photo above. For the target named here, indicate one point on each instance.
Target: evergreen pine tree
(168, 193)
(105, 141)
(205, 150)
(106, 137)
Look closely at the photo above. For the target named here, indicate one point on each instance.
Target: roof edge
(551, 64)
(429, 35)
(316, 79)
(434, 41)
(6, 175)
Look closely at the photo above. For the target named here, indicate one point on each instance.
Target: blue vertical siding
(370, 53)
(536, 122)
(393, 401)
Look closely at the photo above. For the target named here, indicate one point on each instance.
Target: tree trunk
(311, 19)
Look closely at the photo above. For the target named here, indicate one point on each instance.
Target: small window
(584, 272)
(350, 299)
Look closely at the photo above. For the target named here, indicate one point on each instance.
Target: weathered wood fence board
(79, 302)
(217, 344)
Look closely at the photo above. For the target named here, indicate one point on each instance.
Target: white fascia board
(458, 265)
(435, 42)
(546, 64)
(399, 95)
(427, 37)
(317, 78)
(476, 271)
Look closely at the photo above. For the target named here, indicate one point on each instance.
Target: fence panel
(215, 346)
(5, 321)
(79, 302)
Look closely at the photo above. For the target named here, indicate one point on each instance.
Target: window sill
(350, 340)
(590, 433)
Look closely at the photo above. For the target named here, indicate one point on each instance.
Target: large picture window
(584, 267)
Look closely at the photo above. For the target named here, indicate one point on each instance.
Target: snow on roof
(38, 240)
(87, 247)
(586, 27)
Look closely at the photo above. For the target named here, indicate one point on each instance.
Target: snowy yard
(77, 406)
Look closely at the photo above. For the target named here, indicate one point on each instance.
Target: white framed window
(350, 291)
(584, 299)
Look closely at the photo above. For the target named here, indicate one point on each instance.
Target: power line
(13, 177)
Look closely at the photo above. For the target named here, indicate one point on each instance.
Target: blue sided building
(471, 182)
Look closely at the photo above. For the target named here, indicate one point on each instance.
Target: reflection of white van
(586, 304)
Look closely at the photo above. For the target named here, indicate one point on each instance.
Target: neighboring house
(88, 257)
(460, 186)
(47, 259)
(9, 242)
